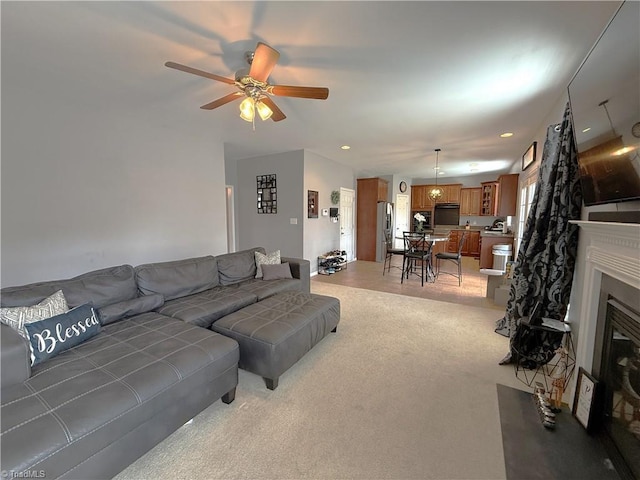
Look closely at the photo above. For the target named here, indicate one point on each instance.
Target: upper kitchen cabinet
(470, 201)
(420, 199)
(507, 194)
(489, 198)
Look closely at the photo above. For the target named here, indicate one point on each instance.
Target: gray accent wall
(271, 231)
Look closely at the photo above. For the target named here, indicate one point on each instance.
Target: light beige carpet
(406, 389)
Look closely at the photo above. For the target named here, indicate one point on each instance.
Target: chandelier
(435, 193)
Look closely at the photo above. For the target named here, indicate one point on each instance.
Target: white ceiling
(404, 77)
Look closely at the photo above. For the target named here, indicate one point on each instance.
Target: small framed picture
(585, 399)
(529, 156)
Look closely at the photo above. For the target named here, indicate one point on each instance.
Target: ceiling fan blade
(277, 113)
(222, 101)
(318, 93)
(202, 73)
(264, 59)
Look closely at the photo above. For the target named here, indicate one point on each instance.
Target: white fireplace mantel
(612, 249)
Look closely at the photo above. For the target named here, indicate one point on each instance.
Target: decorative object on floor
(253, 86)
(529, 156)
(547, 416)
(335, 197)
(584, 398)
(312, 204)
(436, 192)
(267, 194)
(546, 258)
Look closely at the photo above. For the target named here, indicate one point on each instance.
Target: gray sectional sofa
(91, 410)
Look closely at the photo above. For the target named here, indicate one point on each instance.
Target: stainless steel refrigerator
(385, 223)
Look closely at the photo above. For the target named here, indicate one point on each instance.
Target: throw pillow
(276, 272)
(49, 337)
(272, 258)
(18, 317)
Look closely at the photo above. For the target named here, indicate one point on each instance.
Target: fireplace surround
(610, 289)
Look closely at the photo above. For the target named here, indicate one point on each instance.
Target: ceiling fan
(253, 86)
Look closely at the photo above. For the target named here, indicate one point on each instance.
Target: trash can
(501, 254)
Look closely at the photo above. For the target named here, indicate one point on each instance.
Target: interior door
(347, 221)
(402, 218)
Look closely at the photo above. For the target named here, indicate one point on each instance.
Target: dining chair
(455, 257)
(416, 249)
(391, 251)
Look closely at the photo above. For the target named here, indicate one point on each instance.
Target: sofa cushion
(48, 338)
(272, 258)
(18, 317)
(177, 278)
(86, 399)
(98, 287)
(204, 308)
(129, 308)
(264, 289)
(238, 266)
(276, 272)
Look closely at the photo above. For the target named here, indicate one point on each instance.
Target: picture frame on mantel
(585, 400)
(529, 156)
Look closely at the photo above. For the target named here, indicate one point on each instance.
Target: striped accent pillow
(18, 317)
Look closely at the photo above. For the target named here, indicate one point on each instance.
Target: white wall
(324, 176)
(89, 182)
(272, 231)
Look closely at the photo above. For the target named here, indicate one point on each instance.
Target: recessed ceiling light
(586, 130)
(345, 147)
(506, 134)
(441, 173)
(474, 164)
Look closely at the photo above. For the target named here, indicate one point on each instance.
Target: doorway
(402, 219)
(347, 222)
(231, 224)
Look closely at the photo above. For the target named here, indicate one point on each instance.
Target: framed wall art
(529, 156)
(267, 193)
(312, 204)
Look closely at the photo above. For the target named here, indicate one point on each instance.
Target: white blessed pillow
(17, 317)
(272, 258)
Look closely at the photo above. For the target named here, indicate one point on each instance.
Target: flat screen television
(605, 106)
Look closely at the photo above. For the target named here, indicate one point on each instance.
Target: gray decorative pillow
(49, 337)
(272, 258)
(18, 317)
(276, 272)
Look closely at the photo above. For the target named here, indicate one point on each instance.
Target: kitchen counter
(491, 233)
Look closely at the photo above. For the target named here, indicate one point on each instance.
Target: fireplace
(608, 335)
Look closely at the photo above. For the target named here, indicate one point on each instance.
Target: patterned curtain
(544, 266)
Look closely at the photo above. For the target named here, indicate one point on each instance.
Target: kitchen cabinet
(470, 246)
(470, 201)
(370, 191)
(420, 199)
(507, 194)
(489, 198)
(486, 246)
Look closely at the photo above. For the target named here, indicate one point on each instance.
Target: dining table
(430, 241)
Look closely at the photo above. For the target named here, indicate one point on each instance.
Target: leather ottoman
(278, 331)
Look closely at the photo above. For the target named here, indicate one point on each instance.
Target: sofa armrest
(14, 357)
(301, 269)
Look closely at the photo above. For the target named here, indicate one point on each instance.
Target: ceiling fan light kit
(436, 192)
(252, 84)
